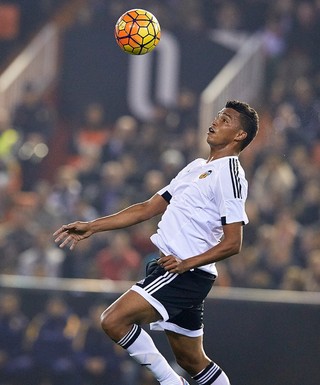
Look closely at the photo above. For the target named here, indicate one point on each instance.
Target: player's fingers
(169, 264)
(73, 244)
(69, 239)
(61, 236)
(162, 260)
(64, 229)
(59, 231)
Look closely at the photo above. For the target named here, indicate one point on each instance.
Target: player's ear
(241, 135)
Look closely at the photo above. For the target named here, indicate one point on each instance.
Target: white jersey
(203, 197)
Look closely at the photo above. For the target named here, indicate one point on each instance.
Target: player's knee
(109, 322)
(114, 323)
(191, 361)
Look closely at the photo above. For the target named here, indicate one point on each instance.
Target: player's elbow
(239, 247)
(235, 247)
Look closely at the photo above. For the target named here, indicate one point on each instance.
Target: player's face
(225, 127)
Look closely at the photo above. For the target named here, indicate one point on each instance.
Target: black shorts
(179, 298)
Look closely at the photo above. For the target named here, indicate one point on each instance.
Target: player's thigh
(130, 308)
(188, 351)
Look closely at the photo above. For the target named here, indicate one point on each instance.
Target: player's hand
(172, 264)
(72, 233)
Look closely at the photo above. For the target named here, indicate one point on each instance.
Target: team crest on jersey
(205, 174)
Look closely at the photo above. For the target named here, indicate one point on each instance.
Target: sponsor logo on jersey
(205, 174)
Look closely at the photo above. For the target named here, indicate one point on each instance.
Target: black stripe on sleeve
(232, 177)
(167, 196)
(237, 177)
(224, 221)
(234, 173)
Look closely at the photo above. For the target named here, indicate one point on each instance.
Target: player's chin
(209, 138)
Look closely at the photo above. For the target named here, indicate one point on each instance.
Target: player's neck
(220, 154)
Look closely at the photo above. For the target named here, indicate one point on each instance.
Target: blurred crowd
(19, 20)
(57, 346)
(106, 167)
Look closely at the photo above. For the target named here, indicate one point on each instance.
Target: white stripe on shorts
(160, 282)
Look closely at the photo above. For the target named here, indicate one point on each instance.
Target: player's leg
(121, 323)
(129, 309)
(191, 357)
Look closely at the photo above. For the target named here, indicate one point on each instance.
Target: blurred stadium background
(86, 130)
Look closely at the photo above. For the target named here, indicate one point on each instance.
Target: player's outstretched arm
(72, 233)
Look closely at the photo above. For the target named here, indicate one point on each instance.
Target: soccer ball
(137, 32)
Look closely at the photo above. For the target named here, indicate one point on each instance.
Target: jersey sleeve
(231, 194)
(164, 192)
(167, 191)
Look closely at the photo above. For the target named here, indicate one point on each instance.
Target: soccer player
(203, 212)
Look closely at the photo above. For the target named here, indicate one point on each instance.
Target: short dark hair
(249, 119)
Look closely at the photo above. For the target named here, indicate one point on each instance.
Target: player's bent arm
(230, 245)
